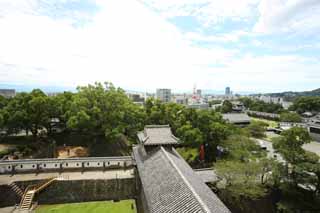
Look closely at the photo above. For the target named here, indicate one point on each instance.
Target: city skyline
(251, 46)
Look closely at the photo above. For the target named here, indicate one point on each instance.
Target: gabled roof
(171, 186)
(157, 135)
(236, 117)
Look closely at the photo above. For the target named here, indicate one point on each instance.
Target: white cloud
(207, 11)
(125, 43)
(298, 16)
(269, 73)
(227, 37)
(135, 48)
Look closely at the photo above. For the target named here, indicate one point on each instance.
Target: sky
(249, 45)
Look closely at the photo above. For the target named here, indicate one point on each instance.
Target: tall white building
(228, 91)
(164, 95)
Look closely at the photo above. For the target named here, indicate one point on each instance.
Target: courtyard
(124, 206)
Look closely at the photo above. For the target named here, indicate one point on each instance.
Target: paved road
(313, 147)
(271, 151)
(109, 174)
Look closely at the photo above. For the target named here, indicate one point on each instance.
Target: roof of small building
(170, 185)
(157, 135)
(236, 117)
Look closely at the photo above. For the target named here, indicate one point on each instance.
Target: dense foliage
(257, 105)
(306, 104)
(290, 117)
(257, 129)
(245, 173)
(105, 110)
(194, 127)
(299, 177)
(94, 109)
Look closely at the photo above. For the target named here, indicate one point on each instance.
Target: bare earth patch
(72, 151)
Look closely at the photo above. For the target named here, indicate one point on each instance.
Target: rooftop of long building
(170, 184)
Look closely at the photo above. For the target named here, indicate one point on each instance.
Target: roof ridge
(204, 207)
(157, 126)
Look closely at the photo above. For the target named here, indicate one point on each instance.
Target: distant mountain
(29, 88)
(291, 95)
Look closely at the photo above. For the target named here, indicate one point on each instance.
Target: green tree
(104, 110)
(306, 104)
(16, 117)
(290, 117)
(241, 148)
(257, 129)
(226, 107)
(37, 111)
(189, 135)
(241, 179)
(290, 144)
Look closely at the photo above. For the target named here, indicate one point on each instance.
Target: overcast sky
(249, 45)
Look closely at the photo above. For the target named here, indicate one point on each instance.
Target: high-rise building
(164, 95)
(199, 92)
(228, 91)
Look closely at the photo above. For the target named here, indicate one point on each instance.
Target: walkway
(92, 175)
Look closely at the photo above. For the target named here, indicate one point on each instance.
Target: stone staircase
(16, 189)
(27, 200)
(28, 195)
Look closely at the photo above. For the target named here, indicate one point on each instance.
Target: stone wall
(74, 191)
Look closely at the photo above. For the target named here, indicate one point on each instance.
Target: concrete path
(312, 147)
(271, 151)
(109, 174)
(10, 209)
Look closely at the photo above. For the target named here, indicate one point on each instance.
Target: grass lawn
(124, 206)
(271, 123)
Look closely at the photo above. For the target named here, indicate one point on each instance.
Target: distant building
(198, 106)
(136, 98)
(199, 93)
(164, 95)
(228, 91)
(51, 94)
(237, 106)
(240, 119)
(275, 100)
(180, 99)
(7, 93)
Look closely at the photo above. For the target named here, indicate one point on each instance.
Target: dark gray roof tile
(157, 135)
(170, 185)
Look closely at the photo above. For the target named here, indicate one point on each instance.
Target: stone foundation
(71, 191)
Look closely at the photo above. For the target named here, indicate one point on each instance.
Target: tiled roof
(236, 117)
(157, 135)
(171, 186)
